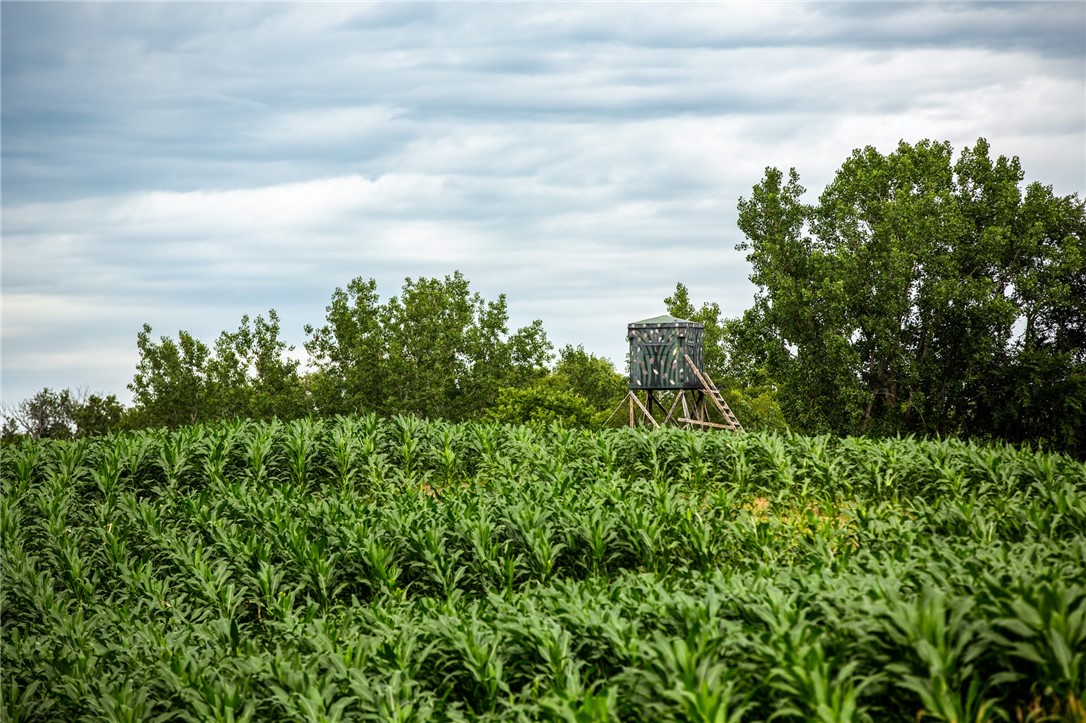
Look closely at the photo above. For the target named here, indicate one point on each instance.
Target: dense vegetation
(357, 568)
(436, 350)
(919, 295)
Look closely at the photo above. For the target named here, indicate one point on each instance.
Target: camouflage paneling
(656, 353)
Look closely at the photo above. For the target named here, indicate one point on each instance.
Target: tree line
(920, 294)
(435, 350)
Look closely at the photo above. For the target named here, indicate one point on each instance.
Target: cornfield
(368, 569)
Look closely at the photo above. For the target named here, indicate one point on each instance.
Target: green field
(368, 569)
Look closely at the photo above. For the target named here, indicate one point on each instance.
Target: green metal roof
(662, 319)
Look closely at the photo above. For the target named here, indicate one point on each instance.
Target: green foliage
(170, 387)
(46, 415)
(360, 568)
(590, 377)
(541, 404)
(251, 374)
(437, 350)
(921, 295)
(728, 360)
(62, 414)
(349, 351)
(583, 390)
(756, 408)
(717, 357)
(97, 415)
(247, 375)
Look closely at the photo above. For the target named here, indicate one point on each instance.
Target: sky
(185, 164)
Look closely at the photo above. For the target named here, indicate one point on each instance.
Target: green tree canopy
(251, 373)
(349, 351)
(246, 374)
(921, 295)
(591, 377)
(61, 414)
(97, 415)
(542, 404)
(438, 349)
(170, 387)
(582, 390)
(46, 415)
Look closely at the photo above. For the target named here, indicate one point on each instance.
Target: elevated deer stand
(666, 363)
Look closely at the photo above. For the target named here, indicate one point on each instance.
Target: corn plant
(1043, 629)
(369, 569)
(939, 647)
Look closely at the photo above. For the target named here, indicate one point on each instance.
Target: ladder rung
(714, 394)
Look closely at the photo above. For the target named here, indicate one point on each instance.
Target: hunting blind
(666, 362)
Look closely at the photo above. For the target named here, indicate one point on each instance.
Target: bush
(541, 404)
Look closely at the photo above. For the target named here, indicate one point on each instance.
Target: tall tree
(916, 292)
(170, 387)
(430, 329)
(252, 375)
(248, 373)
(349, 352)
(438, 349)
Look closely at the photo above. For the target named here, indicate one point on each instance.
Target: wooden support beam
(674, 403)
(648, 415)
(705, 424)
(653, 399)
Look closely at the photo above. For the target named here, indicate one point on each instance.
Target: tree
(436, 350)
(916, 292)
(349, 352)
(46, 415)
(247, 374)
(541, 404)
(590, 377)
(170, 387)
(97, 415)
(436, 332)
(62, 414)
(251, 375)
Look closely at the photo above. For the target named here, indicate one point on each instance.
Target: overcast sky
(185, 164)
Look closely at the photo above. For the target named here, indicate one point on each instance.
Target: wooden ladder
(732, 422)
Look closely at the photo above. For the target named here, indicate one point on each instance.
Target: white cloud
(186, 164)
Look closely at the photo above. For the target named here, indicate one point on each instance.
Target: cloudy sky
(185, 164)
